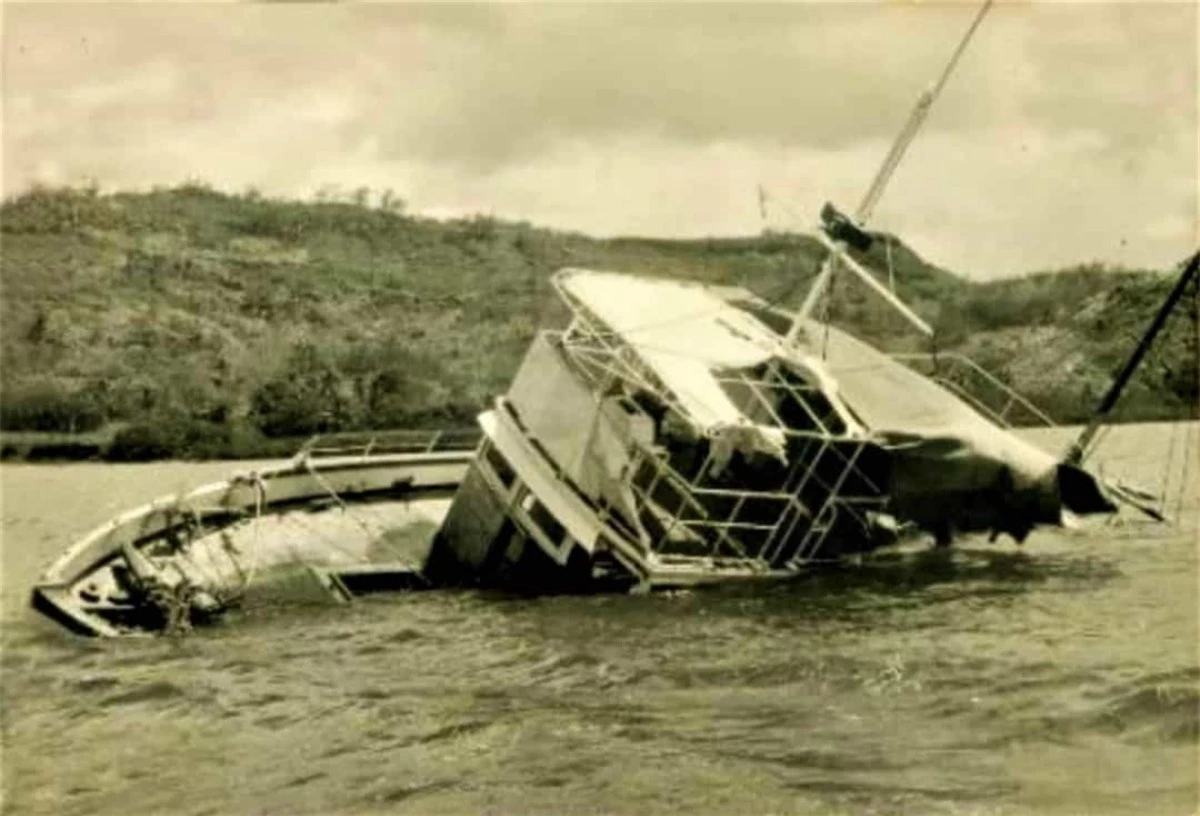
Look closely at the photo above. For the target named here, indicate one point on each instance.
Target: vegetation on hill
(190, 322)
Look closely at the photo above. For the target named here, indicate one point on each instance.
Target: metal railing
(781, 530)
(690, 517)
(707, 517)
(1010, 398)
(367, 443)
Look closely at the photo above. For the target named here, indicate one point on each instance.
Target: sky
(1067, 134)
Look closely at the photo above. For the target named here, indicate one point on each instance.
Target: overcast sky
(1068, 133)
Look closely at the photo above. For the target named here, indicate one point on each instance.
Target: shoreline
(49, 448)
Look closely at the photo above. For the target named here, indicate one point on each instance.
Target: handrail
(974, 401)
(709, 526)
(683, 490)
(990, 378)
(367, 443)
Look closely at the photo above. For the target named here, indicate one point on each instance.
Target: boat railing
(978, 387)
(384, 442)
(694, 515)
(705, 521)
(771, 527)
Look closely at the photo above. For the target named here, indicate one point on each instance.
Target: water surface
(1059, 677)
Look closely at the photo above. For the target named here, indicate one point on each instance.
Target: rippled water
(1061, 677)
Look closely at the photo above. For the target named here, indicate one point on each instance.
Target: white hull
(341, 513)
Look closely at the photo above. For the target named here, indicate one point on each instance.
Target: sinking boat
(342, 517)
(670, 437)
(673, 434)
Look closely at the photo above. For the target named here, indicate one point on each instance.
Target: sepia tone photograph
(569, 409)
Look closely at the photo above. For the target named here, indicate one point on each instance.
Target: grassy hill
(198, 323)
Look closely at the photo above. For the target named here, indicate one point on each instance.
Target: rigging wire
(247, 575)
(1189, 426)
(827, 313)
(1156, 353)
(1168, 467)
(892, 160)
(1183, 477)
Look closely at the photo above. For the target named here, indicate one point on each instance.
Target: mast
(915, 120)
(1079, 449)
(867, 206)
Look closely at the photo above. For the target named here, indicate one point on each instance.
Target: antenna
(867, 206)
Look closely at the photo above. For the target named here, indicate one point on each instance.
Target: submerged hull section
(188, 558)
(521, 523)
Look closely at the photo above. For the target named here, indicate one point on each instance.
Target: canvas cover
(949, 462)
(893, 399)
(686, 334)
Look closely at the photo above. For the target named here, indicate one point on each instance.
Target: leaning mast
(866, 207)
(1079, 449)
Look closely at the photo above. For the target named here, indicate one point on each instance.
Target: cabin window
(795, 414)
(509, 545)
(544, 520)
(499, 465)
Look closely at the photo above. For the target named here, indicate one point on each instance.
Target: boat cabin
(666, 437)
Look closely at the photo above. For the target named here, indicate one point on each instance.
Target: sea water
(1061, 677)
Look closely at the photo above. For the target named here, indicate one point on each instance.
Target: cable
(1183, 478)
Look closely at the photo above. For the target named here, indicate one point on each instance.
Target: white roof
(686, 333)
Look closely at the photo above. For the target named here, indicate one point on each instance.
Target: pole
(1078, 450)
(915, 120)
(884, 174)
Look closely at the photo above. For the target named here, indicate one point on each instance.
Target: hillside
(207, 322)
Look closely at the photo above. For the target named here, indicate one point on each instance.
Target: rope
(260, 494)
(1168, 467)
(827, 310)
(306, 461)
(194, 531)
(331, 542)
(1101, 435)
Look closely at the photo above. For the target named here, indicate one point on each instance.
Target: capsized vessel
(673, 434)
(669, 436)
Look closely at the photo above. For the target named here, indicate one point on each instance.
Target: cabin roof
(685, 333)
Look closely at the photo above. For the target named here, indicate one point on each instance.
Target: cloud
(653, 119)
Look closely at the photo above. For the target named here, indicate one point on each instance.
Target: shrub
(303, 399)
(170, 437)
(141, 442)
(48, 406)
(62, 452)
(57, 210)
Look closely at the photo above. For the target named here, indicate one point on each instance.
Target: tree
(304, 398)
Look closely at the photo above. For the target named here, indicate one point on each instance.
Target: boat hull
(215, 543)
